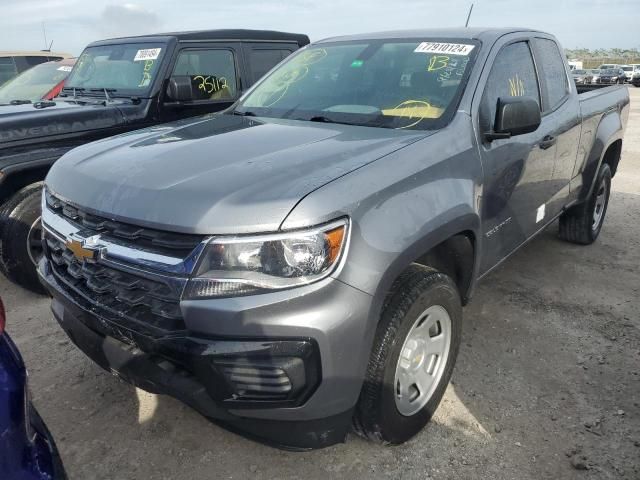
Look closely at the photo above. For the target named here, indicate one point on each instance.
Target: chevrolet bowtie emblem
(79, 250)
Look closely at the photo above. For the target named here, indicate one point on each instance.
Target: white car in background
(628, 72)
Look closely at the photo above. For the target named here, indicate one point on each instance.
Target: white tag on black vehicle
(147, 54)
(450, 48)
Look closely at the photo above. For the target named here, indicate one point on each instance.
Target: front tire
(20, 232)
(413, 356)
(582, 223)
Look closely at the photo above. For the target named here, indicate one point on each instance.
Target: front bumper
(310, 343)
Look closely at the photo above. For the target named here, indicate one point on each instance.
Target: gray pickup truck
(298, 263)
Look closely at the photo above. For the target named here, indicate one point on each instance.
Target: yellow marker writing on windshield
(437, 62)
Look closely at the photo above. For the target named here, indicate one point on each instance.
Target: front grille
(150, 307)
(158, 241)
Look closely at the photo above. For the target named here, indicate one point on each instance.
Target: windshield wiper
(72, 90)
(323, 119)
(246, 113)
(106, 92)
(19, 102)
(44, 104)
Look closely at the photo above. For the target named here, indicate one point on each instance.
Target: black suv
(117, 86)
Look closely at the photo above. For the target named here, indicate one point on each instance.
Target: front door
(215, 80)
(517, 170)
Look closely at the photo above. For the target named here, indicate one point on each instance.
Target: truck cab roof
(213, 35)
(476, 33)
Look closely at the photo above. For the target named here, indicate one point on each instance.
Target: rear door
(561, 112)
(262, 57)
(517, 170)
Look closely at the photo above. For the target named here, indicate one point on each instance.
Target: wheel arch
(607, 148)
(452, 249)
(12, 180)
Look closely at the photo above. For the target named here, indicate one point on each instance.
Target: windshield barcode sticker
(65, 68)
(147, 54)
(451, 48)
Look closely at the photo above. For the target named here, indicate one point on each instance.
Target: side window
(8, 69)
(212, 73)
(552, 72)
(513, 74)
(33, 61)
(263, 60)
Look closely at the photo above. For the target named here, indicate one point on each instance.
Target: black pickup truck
(117, 86)
(299, 261)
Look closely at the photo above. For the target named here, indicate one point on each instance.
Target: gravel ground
(547, 384)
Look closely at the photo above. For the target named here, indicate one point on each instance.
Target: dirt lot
(547, 384)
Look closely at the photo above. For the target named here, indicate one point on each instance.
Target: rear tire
(20, 246)
(582, 223)
(420, 298)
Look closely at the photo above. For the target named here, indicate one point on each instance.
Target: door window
(8, 69)
(33, 61)
(513, 74)
(212, 73)
(552, 72)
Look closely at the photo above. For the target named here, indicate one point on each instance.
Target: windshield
(610, 71)
(125, 68)
(34, 83)
(579, 72)
(393, 84)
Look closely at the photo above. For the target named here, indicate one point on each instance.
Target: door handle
(547, 142)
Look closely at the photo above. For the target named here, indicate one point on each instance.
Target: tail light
(3, 318)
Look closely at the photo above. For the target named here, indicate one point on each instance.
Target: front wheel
(20, 238)
(414, 352)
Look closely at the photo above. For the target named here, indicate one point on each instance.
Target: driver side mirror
(514, 116)
(179, 89)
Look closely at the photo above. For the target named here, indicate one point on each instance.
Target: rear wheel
(20, 237)
(413, 356)
(582, 223)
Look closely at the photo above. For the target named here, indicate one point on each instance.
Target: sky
(72, 24)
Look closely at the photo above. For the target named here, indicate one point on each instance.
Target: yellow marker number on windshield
(438, 62)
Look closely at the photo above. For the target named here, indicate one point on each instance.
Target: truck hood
(222, 174)
(20, 123)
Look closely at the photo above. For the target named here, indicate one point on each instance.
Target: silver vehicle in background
(581, 76)
(595, 75)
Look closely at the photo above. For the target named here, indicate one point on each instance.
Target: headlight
(245, 265)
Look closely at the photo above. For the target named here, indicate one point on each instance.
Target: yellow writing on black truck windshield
(146, 73)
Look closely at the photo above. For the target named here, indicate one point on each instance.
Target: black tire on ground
(577, 225)
(17, 216)
(376, 416)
